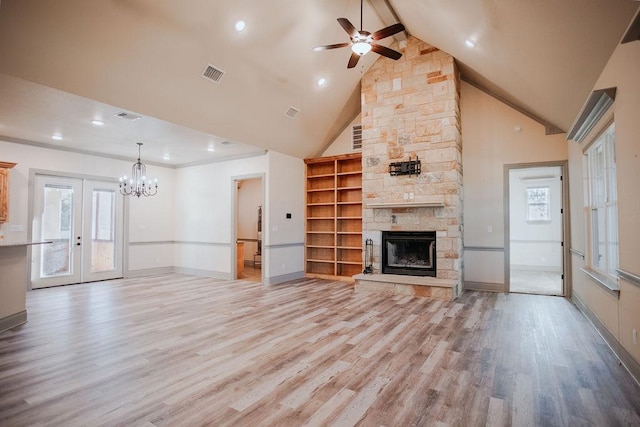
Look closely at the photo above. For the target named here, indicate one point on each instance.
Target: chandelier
(138, 184)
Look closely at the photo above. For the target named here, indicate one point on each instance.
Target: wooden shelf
(311, 190)
(325, 175)
(321, 260)
(333, 246)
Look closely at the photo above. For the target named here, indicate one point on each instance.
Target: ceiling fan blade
(388, 31)
(353, 60)
(385, 51)
(331, 46)
(348, 27)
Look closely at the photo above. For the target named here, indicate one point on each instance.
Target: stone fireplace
(410, 110)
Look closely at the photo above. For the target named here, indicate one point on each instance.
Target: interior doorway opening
(535, 237)
(248, 230)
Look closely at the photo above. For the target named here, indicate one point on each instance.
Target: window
(602, 207)
(538, 204)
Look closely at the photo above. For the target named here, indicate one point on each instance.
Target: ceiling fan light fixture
(361, 48)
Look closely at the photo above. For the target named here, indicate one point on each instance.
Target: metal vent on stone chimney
(356, 137)
(292, 112)
(212, 73)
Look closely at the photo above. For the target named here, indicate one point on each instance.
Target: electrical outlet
(635, 337)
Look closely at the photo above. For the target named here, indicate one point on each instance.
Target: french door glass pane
(57, 220)
(103, 245)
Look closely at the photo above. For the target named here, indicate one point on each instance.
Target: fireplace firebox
(411, 253)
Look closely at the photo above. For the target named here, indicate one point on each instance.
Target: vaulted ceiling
(66, 61)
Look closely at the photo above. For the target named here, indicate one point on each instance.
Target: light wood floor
(177, 350)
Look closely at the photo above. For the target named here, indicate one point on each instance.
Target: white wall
(204, 214)
(284, 240)
(491, 140)
(342, 144)
(620, 316)
(150, 219)
(249, 200)
(188, 229)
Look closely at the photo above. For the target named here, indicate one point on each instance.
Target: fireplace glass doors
(411, 253)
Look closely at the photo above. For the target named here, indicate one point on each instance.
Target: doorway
(534, 240)
(249, 215)
(83, 218)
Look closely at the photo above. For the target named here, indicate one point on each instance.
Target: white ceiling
(67, 61)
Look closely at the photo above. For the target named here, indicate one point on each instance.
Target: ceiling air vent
(226, 143)
(212, 73)
(128, 116)
(292, 112)
(356, 137)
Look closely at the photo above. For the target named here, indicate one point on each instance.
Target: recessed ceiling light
(166, 157)
(57, 137)
(322, 81)
(240, 26)
(97, 122)
(211, 148)
(470, 43)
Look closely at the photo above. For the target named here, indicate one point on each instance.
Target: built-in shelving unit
(333, 244)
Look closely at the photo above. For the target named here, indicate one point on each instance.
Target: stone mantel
(389, 205)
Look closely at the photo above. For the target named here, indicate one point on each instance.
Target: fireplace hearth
(411, 253)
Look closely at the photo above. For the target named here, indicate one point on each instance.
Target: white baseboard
(149, 272)
(203, 273)
(284, 278)
(13, 320)
(483, 286)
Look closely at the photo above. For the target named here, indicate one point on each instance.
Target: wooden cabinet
(333, 243)
(4, 190)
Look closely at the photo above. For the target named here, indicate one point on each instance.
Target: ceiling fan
(363, 41)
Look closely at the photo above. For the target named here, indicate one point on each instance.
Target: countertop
(10, 244)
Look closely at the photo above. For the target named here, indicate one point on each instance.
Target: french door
(84, 219)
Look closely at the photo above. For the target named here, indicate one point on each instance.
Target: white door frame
(566, 230)
(58, 174)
